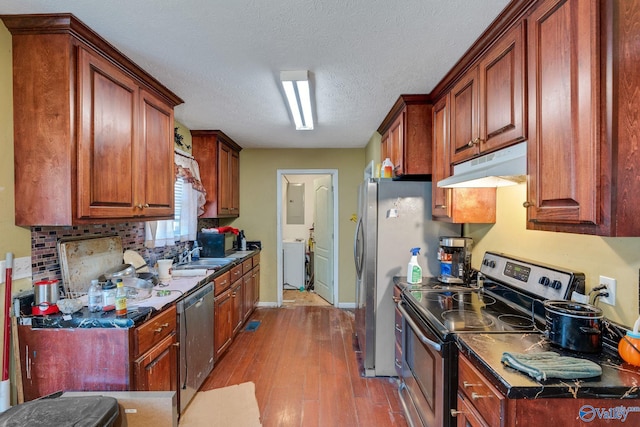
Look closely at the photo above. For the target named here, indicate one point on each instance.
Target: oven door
(429, 380)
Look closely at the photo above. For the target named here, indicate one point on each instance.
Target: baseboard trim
(343, 305)
(268, 304)
(347, 305)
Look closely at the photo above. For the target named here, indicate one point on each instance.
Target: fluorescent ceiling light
(296, 88)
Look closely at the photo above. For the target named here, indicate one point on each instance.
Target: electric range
(506, 298)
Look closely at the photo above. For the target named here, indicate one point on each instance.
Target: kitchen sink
(239, 254)
(208, 263)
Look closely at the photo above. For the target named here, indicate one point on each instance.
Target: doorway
(307, 261)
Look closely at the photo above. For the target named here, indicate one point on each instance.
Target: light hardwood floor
(303, 362)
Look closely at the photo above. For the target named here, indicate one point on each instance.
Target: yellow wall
(14, 239)
(258, 206)
(373, 149)
(594, 256)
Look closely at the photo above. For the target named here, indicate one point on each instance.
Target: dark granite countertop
(138, 314)
(618, 380)
(86, 319)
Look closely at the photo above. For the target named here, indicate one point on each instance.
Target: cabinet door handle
(455, 413)
(476, 396)
(146, 205)
(398, 364)
(440, 206)
(474, 142)
(27, 362)
(467, 385)
(139, 206)
(398, 328)
(527, 204)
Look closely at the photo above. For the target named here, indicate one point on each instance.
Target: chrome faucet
(186, 255)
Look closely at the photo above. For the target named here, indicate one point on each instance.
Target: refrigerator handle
(358, 260)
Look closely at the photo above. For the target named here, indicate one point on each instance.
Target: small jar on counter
(108, 294)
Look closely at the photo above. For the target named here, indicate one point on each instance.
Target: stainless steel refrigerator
(393, 217)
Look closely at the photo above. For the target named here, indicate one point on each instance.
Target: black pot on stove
(574, 326)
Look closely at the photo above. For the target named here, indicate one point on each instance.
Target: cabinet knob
(527, 204)
(139, 206)
(440, 206)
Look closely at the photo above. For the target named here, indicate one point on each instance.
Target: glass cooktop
(469, 310)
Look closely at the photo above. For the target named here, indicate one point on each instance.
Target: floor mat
(252, 326)
(235, 405)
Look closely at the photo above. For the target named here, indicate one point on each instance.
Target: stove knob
(544, 280)
(489, 263)
(556, 284)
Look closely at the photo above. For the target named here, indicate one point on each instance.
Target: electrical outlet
(611, 289)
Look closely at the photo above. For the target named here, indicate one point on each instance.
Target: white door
(323, 233)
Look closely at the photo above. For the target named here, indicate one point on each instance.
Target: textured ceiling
(224, 57)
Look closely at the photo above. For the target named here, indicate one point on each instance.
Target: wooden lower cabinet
(247, 295)
(233, 307)
(100, 359)
(481, 404)
(157, 369)
(256, 283)
(222, 327)
(237, 309)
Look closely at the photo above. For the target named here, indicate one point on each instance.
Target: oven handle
(437, 347)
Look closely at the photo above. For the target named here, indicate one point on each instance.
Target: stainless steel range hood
(500, 168)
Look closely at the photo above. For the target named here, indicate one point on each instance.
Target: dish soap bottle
(414, 271)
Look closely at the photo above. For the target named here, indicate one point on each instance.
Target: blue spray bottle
(414, 271)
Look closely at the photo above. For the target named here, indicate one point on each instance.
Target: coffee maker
(454, 255)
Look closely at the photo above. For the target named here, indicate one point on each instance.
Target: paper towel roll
(188, 273)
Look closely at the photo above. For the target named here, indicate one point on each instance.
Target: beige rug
(235, 405)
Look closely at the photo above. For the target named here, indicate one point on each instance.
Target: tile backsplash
(45, 264)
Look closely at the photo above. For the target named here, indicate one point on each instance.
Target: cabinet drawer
(236, 273)
(153, 331)
(221, 283)
(247, 266)
(483, 396)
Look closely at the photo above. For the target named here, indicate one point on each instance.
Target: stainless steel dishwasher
(195, 318)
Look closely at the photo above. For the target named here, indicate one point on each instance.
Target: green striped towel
(548, 364)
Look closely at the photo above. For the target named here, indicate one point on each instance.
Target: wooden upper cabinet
(441, 197)
(456, 205)
(488, 102)
(583, 116)
(465, 130)
(563, 163)
(502, 86)
(218, 158)
(406, 136)
(95, 141)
